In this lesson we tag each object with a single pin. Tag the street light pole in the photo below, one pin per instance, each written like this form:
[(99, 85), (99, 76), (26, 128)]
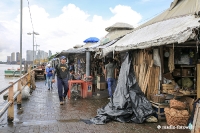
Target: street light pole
[(21, 2), (33, 50), (33, 44)]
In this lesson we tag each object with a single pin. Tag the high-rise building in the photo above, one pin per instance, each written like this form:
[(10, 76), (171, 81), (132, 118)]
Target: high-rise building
[(42, 54), (45, 55), (12, 56), (17, 57), (29, 55), (8, 59), (50, 53)]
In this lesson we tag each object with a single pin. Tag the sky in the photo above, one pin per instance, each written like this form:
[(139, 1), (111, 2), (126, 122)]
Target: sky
[(62, 24)]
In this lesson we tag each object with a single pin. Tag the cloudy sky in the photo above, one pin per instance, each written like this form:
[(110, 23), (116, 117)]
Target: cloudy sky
[(61, 24)]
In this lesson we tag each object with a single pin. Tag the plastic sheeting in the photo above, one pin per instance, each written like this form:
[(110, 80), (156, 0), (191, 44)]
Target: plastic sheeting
[(128, 103)]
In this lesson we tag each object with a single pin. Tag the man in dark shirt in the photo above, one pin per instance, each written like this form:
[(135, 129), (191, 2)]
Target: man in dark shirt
[(62, 71)]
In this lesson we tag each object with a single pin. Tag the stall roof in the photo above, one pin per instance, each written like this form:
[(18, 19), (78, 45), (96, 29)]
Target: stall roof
[(172, 26), (115, 31), (119, 26), (80, 50)]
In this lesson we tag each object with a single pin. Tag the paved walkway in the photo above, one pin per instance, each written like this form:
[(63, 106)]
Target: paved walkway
[(42, 113)]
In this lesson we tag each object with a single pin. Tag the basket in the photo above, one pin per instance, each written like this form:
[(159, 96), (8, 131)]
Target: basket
[(177, 104), (175, 120), (167, 87), (158, 98)]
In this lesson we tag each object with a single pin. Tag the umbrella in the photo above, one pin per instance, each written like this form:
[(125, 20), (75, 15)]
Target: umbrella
[(91, 39)]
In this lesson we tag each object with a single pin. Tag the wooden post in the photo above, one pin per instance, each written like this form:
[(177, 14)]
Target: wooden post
[(146, 79), (33, 80), (196, 123), (161, 69), (19, 97), (10, 116), (198, 80), (29, 77)]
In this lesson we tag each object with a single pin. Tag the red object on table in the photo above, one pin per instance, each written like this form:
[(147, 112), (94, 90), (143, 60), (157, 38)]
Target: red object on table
[(71, 82)]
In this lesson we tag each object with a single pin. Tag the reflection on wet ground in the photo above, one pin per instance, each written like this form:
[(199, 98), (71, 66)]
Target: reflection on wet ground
[(43, 113)]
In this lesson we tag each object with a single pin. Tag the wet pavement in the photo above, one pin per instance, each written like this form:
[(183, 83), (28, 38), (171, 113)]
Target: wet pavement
[(42, 113)]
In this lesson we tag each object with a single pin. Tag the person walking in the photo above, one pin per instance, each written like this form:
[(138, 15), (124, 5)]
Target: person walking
[(62, 71), (49, 75), (110, 73)]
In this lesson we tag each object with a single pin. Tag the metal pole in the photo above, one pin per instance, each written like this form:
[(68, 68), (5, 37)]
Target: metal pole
[(33, 49), (87, 63), (21, 37)]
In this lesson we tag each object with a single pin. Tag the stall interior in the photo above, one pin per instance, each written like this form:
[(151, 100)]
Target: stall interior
[(180, 69)]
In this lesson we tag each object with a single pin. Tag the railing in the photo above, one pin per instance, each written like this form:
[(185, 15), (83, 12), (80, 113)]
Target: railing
[(22, 82)]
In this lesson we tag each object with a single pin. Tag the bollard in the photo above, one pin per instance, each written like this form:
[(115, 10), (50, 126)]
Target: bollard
[(10, 116)]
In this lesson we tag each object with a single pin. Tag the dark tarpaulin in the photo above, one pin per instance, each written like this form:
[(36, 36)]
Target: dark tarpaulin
[(128, 103)]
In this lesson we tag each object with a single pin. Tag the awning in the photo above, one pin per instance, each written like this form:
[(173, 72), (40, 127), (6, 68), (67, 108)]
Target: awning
[(175, 30)]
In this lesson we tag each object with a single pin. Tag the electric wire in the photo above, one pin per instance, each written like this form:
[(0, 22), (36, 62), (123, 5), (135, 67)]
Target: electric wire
[(30, 15)]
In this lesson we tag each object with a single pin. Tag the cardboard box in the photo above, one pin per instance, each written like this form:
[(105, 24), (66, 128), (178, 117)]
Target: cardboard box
[(101, 85), (100, 79)]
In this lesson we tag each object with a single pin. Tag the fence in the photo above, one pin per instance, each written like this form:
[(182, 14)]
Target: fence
[(26, 79)]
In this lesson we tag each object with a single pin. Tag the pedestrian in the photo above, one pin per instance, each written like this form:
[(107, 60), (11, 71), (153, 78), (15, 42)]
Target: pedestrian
[(49, 75), (62, 71), (110, 73)]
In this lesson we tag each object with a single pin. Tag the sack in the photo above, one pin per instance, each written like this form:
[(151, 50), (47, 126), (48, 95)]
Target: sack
[(26, 92)]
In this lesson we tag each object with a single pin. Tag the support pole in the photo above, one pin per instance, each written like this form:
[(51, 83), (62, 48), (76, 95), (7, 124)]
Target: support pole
[(87, 63), (21, 37), (19, 97), (33, 49)]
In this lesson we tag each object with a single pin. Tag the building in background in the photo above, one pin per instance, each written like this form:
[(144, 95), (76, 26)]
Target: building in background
[(12, 56), (42, 55), (8, 59), (45, 55), (17, 57), (29, 55), (50, 53)]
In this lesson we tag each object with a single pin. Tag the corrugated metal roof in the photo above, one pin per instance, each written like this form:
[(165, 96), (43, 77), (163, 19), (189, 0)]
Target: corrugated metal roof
[(160, 33)]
